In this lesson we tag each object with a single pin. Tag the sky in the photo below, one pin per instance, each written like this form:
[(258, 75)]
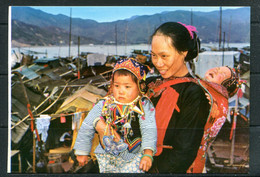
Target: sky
[(113, 13)]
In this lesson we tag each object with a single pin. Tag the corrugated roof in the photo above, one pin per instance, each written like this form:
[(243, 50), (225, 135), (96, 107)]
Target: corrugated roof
[(27, 72), (83, 93), (35, 67), (95, 90), (19, 131), (72, 106), (80, 99), (45, 60), (53, 76)]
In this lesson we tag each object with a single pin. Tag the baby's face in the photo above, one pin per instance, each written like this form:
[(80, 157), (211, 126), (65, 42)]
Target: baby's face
[(218, 74), (125, 90)]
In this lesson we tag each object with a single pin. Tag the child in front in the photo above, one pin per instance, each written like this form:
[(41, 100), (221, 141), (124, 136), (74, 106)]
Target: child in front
[(130, 132)]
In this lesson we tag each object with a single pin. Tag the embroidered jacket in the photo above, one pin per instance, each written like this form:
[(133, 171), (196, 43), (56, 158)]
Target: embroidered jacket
[(142, 134)]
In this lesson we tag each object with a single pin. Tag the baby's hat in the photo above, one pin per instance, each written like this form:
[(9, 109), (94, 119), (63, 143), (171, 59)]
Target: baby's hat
[(232, 83), (138, 69)]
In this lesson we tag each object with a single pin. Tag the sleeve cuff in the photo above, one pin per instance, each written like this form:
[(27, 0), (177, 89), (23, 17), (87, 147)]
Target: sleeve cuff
[(154, 151), (81, 152), (95, 121)]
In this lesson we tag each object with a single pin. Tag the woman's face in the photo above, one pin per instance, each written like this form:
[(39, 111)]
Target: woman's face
[(218, 74), (167, 60)]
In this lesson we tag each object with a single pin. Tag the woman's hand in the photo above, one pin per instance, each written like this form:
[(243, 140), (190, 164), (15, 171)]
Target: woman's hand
[(82, 159)]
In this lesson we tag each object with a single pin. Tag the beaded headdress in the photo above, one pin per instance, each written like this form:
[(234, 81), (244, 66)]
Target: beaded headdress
[(130, 64), (138, 69), (232, 84)]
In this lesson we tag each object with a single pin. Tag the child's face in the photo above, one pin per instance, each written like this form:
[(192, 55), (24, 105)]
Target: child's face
[(218, 74), (125, 90)]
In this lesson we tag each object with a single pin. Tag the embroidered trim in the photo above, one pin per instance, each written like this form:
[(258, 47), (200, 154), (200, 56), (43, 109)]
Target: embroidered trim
[(119, 116)]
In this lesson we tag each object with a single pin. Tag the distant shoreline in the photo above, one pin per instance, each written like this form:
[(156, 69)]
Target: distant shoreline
[(63, 51)]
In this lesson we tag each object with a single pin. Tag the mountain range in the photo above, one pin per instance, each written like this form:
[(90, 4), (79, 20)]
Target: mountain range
[(34, 27)]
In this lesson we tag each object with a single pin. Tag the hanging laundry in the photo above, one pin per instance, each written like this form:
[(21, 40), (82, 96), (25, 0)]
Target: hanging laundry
[(76, 120), (42, 124)]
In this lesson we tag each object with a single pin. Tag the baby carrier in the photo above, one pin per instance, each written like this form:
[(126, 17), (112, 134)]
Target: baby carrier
[(168, 103)]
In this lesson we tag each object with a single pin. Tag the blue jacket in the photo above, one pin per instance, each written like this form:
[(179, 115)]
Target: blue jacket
[(147, 127)]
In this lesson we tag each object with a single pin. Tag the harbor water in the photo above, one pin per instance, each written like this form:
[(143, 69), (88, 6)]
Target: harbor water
[(63, 51)]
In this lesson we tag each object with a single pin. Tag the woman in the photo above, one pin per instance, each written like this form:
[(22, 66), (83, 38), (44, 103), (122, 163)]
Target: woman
[(182, 108)]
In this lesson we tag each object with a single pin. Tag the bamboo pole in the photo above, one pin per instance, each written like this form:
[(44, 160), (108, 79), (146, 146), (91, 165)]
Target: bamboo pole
[(106, 72), (34, 153), (78, 58), (63, 74), (234, 127), (70, 32), (33, 128), (220, 28), (82, 85), (55, 100), (234, 132)]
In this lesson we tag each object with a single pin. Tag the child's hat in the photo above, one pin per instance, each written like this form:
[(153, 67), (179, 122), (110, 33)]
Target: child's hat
[(232, 84), (132, 65)]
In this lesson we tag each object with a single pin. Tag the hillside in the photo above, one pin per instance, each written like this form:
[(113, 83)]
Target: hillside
[(54, 28), (30, 35)]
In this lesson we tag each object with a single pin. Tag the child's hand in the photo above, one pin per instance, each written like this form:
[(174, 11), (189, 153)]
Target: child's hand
[(146, 163), (100, 128), (82, 159)]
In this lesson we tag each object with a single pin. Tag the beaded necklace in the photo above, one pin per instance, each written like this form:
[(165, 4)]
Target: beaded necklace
[(119, 116)]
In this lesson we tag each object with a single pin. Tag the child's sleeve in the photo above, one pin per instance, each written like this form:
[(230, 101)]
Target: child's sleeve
[(86, 132), (148, 126)]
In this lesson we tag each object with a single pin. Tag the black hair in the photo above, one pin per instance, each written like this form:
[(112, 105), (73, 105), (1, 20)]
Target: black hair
[(181, 39)]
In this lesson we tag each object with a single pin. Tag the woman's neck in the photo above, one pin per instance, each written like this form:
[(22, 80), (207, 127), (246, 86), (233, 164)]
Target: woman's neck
[(183, 71)]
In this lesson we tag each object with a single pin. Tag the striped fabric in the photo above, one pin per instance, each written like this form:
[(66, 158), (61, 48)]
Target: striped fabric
[(147, 127)]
